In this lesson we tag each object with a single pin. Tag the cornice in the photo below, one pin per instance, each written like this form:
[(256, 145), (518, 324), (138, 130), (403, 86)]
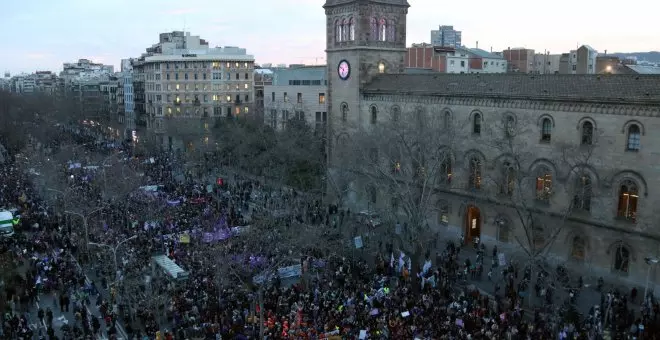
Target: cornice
[(627, 109)]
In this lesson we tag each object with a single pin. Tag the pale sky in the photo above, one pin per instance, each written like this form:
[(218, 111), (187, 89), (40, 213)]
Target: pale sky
[(42, 34)]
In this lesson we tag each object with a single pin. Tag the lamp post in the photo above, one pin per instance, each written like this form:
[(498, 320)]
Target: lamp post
[(114, 251), (651, 262)]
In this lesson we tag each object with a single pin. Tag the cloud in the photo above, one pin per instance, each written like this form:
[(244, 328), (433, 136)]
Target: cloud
[(180, 11), (37, 55)]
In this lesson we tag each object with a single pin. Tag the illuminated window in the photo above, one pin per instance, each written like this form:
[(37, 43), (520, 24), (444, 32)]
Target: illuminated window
[(543, 184), (381, 68), (382, 29), (177, 100), (246, 65), (237, 87), (321, 98), (396, 168), (236, 65), (445, 169), (338, 30), (215, 97), (245, 109), (169, 110), (628, 199), (238, 110), (178, 110), (228, 99), (247, 86), (227, 65), (177, 87), (443, 212)]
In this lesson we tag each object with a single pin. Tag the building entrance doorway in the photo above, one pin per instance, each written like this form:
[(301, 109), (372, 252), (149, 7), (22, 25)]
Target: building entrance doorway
[(472, 224)]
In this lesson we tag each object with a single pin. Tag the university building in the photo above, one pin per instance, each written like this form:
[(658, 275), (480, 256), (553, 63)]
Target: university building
[(603, 197)]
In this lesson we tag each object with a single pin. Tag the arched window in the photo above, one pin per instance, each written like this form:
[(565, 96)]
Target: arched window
[(583, 193), (587, 133), (447, 120), (510, 126), (396, 113), (578, 248), (344, 112), (543, 184), (345, 30), (475, 173), (382, 29), (634, 138), (374, 29), (546, 130), (338, 31), (476, 124), (508, 179), (391, 32), (351, 29), (628, 200), (374, 114), (445, 168), (621, 259), (443, 212)]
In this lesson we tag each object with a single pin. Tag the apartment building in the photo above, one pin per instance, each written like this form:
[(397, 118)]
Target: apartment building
[(262, 78), (298, 92), (446, 36), (453, 60), (579, 61), (546, 63), (185, 80), (519, 59)]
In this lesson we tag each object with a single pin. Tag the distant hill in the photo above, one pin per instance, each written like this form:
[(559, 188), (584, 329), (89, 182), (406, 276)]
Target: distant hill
[(652, 57)]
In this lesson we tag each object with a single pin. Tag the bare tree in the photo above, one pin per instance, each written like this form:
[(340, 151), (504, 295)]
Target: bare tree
[(402, 161), (526, 188)]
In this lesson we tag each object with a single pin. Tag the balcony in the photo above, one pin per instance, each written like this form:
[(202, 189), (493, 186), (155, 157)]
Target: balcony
[(196, 102), (177, 102)]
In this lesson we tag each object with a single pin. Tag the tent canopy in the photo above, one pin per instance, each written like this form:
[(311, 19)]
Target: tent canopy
[(171, 269)]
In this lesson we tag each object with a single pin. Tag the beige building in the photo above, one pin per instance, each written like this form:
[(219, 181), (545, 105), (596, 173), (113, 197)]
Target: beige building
[(185, 80), (546, 63), (581, 157)]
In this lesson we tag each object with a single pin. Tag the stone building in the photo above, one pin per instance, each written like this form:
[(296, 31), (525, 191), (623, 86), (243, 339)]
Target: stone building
[(602, 121)]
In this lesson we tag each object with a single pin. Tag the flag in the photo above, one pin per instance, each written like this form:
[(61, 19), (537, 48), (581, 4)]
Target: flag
[(427, 266), (391, 260)]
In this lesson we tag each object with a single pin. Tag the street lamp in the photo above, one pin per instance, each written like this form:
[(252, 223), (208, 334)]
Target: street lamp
[(651, 262), (114, 251)]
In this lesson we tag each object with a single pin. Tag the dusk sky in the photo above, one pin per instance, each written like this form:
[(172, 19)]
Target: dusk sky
[(42, 34)]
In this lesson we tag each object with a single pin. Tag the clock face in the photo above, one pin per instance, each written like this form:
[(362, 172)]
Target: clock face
[(344, 70)]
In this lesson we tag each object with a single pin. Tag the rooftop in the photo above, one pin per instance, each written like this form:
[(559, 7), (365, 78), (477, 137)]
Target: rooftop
[(589, 88)]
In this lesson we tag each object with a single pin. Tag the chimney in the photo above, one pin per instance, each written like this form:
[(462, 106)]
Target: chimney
[(477, 44), (605, 52)]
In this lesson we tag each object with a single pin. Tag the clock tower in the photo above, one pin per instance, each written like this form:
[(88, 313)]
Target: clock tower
[(364, 38)]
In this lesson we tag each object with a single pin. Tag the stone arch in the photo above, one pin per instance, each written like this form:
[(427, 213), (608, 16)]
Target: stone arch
[(542, 162), (579, 168), (447, 117), (631, 175), (614, 245), (344, 109), (626, 126), (586, 119), (539, 122), (505, 157), (475, 153), (373, 113), (474, 112)]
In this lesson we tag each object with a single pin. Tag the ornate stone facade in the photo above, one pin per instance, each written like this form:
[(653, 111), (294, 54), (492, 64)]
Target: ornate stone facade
[(610, 118)]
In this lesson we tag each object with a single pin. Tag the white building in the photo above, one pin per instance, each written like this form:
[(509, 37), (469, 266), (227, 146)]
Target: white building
[(482, 61), (186, 79), (297, 93), (129, 103)]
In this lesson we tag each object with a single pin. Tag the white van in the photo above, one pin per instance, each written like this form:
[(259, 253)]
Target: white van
[(6, 223)]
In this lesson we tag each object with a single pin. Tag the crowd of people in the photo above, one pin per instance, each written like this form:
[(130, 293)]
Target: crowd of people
[(379, 296)]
